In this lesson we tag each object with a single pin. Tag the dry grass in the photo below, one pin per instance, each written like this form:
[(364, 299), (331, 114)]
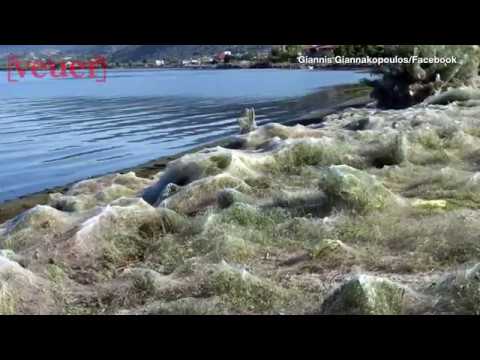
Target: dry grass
[(412, 239), (8, 302)]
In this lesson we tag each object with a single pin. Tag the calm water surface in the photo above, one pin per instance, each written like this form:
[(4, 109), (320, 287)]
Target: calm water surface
[(53, 132)]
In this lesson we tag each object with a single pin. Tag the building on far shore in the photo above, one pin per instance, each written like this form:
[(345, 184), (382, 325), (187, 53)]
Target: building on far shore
[(191, 62), (159, 62), (223, 56), (207, 60)]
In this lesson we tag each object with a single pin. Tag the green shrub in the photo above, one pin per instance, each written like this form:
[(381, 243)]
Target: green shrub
[(406, 84)]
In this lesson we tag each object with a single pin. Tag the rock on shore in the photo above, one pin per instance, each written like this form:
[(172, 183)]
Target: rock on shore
[(369, 212)]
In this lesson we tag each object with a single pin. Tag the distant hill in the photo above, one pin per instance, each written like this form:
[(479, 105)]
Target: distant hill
[(125, 53), (140, 52)]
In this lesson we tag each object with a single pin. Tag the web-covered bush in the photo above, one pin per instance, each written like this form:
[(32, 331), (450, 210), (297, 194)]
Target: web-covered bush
[(406, 84)]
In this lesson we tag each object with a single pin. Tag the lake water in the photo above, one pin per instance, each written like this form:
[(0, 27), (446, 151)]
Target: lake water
[(56, 131)]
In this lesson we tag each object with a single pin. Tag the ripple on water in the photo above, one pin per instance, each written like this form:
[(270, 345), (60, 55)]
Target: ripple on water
[(56, 132)]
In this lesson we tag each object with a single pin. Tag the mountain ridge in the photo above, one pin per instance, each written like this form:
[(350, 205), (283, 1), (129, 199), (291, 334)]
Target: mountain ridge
[(128, 52)]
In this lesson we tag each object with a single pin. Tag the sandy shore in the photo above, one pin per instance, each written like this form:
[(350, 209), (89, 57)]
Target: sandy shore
[(11, 208)]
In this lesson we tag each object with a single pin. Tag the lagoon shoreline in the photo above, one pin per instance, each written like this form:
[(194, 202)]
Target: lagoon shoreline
[(280, 66), (13, 207)]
